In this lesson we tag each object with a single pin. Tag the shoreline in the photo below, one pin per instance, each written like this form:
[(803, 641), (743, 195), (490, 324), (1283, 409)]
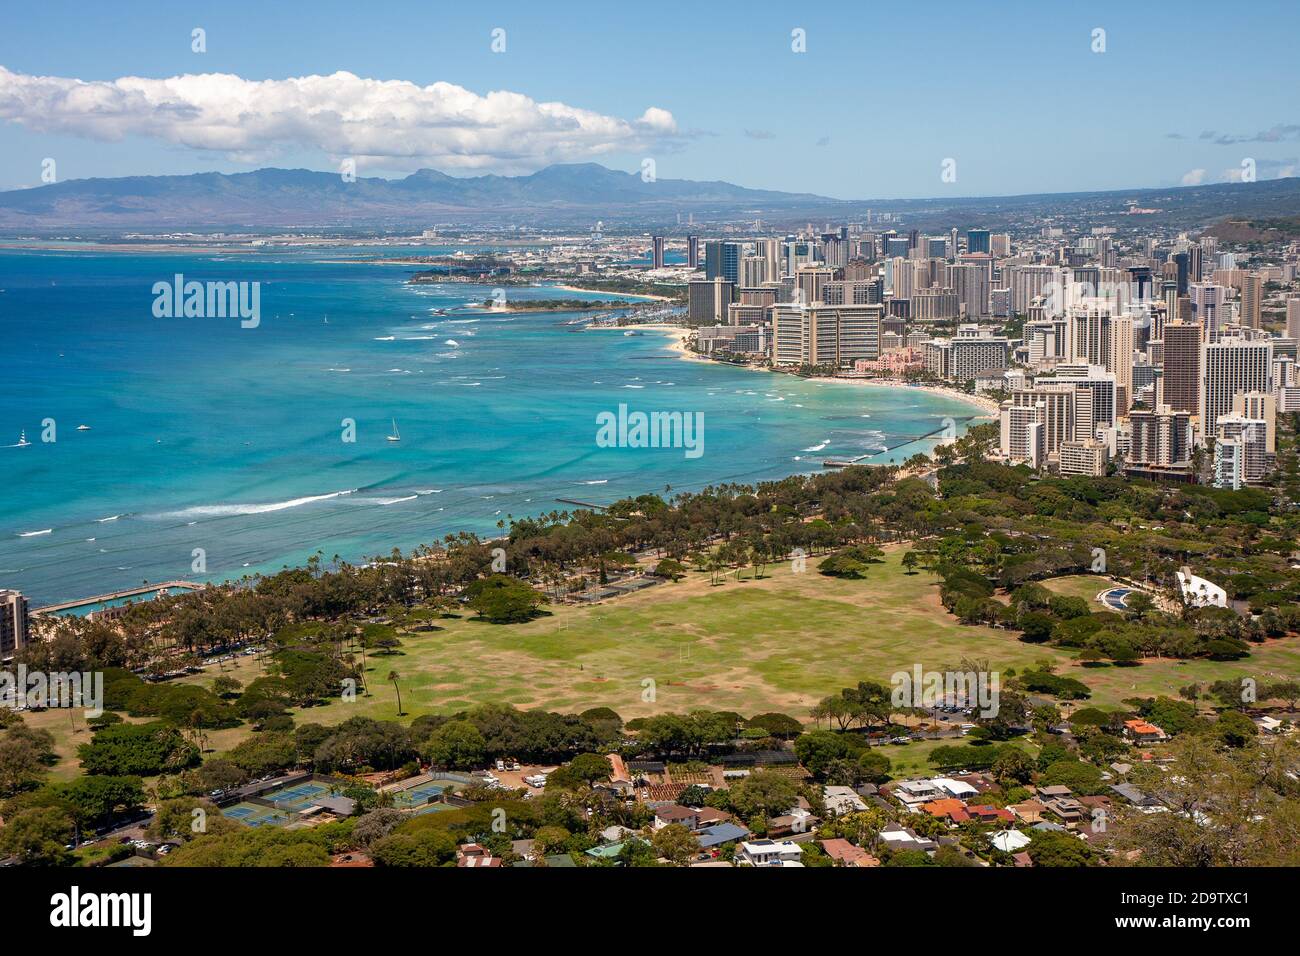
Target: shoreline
[(622, 295), (678, 346), (990, 407)]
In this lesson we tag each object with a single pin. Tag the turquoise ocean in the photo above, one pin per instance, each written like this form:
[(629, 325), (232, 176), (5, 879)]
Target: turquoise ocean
[(205, 435)]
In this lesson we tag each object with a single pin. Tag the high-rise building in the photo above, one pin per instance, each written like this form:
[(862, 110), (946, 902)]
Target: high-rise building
[(13, 623), (1252, 294), (770, 250), (722, 260), (1119, 361), (1293, 317), (1033, 282), (809, 282), (1085, 457), (1181, 381), (1209, 306), (1024, 433), (1260, 407), (963, 357), (1099, 406), (693, 251), (657, 256), (1251, 460), (935, 305), (1231, 366), (707, 300), (971, 283), (825, 335), (1160, 438), (1055, 414), (977, 240), (753, 272)]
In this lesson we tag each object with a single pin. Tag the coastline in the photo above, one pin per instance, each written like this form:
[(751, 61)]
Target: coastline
[(621, 295), (987, 405), (679, 336)]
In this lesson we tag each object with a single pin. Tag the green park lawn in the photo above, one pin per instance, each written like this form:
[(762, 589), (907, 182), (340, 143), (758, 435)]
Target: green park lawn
[(779, 643)]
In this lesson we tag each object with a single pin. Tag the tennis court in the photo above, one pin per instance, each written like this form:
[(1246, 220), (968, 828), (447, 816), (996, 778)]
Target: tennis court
[(417, 796), (255, 815), (298, 797)]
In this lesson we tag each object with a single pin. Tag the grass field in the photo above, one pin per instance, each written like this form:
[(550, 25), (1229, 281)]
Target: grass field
[(1086, 586), (779, 643)]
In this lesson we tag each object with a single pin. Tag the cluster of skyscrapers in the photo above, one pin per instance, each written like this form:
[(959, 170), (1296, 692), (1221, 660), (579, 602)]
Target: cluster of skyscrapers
[(1146, 353)]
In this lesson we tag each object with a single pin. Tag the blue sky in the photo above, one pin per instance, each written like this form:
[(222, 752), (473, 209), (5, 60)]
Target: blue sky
[(1013, 92)]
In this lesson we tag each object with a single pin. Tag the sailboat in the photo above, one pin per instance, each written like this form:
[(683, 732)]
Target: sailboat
[(22, 440), (396, 435)]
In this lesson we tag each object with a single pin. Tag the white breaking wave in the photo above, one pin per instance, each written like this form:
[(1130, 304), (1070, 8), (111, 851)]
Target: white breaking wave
[(818, 447), (384, 501), (224, 511), (34, 534), (386, 338)]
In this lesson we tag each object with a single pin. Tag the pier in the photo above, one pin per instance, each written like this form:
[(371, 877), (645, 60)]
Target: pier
[(581, 504), (846, 462), (118, 596)]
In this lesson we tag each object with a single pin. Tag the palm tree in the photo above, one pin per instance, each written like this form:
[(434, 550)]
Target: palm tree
[(392, 676)]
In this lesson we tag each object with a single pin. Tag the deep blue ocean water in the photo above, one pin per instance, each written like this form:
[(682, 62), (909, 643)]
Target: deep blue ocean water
[(207, 435)]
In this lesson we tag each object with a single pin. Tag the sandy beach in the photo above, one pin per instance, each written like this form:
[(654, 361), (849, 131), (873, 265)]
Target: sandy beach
[(620, 295), (989, 406), (679, 337)]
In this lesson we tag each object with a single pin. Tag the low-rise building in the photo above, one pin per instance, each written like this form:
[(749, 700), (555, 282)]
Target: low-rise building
[(769, 853)]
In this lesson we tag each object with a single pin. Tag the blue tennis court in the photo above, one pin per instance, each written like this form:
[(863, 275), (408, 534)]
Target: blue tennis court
[(255, 815), (417, 796), (298, 797)]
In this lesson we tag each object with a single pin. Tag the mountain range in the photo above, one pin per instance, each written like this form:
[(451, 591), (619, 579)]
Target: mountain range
[(564, 195)]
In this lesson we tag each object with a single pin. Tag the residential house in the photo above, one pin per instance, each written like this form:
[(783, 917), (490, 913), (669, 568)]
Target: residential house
[(1141, 732), (840, 800), (672, 813), (989, 814), (904, 838), (1027, 811), (769, 853), (720, 833), (1009, 841), (474, 855), (949, 808), (846, 854)]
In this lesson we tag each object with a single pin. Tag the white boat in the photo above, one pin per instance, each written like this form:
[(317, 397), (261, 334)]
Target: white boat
[(22, 440), (396, 435), (83, 428)]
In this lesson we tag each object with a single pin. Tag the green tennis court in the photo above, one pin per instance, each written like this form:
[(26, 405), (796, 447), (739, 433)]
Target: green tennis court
[(298, 797), (255, 815), (417, 796)]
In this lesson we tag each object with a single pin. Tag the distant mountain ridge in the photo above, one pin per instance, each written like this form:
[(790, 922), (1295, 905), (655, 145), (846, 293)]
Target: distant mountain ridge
[(567, 195), (299, 197)]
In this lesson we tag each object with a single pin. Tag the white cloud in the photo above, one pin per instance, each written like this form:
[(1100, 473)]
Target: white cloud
[(392, 123), (1194, 177)]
